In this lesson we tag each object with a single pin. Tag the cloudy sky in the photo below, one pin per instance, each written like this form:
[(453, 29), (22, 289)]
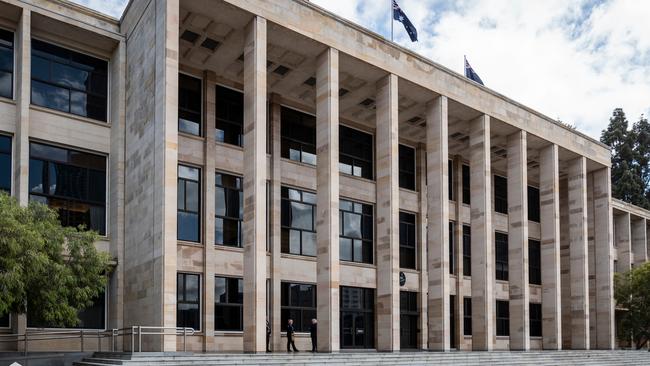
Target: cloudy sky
[(571, 60)]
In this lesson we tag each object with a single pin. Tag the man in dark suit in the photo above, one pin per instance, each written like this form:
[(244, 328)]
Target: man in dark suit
[(268, 336), (290, 336), (313, 331)]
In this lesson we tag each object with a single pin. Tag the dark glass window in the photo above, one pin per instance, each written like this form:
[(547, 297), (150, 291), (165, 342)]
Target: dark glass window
[(189, 203), (500, 194), (452, 321), (450, 177), (467, 250), (92, 317), (357, 323), (452, 257), (298, 222), (298, 303), (533, 204), (6, 63), (534, 262), (503, 318), (501, 254), (228, 210), (535, 315), (407, 240), (228, 303), (355, 231), (298, 132), (409, 317), (355, 152), (4, 321), (406, 167), (71, 182), (189, 105), (188, 300), (466, 189), (230, 116), (69, 81), (467, 316), (5, 163)]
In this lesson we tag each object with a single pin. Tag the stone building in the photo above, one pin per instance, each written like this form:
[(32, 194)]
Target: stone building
[(253, 160)]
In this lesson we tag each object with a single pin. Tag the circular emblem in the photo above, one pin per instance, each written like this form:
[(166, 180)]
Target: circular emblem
[(402, 279)]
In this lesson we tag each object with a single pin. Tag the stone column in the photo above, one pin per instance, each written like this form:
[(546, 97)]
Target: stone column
[(623, 238), (483, 305), (276, 212), (518, 241), (577, 189), (438, 223), (423, 338), (387, 215), (639, 241), (255, 186), (549, 189), (327, 191)]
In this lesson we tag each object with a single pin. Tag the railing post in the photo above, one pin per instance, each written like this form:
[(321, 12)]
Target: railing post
[(132, 339), (113, 340), (82, 340), (99, 342), (184, 339), (139, 338)]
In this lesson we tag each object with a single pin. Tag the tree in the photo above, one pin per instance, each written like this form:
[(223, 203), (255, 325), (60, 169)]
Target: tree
[(632, 293), (54, 271), (641, 134)]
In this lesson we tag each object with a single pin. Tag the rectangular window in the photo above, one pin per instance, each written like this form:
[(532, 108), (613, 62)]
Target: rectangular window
[(228, 210), (467, 316), (355, 152), (230, 116), (467, 250), (298, 302), (188, 300), (71, 182), (406, 167), (466, 189), (407, 240), (409, 315), (355, 231), (501, 254), (503, 318), (452, 321), (228, 304), (69, 81), (189, 104), (4, 321), (452, 256), (298, 222), (535, 316), (5, 163), (500, 194), (533, 204), (450, 177), (6, 63), (189, 203), (534, 262), (298, 132), (92, 317)]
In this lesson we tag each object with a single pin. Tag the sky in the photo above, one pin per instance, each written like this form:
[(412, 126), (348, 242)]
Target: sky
[(571, 60)]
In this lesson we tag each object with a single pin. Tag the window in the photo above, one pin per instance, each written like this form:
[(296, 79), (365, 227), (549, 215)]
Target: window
[(298, 222), (450, 177), (467, 250), (407, 247), (228, 303), (501, 253), (406, 167), (229, 210), (92, 317), (71, 182), (535, 316), (534, 262), (533, 204), (452, 257), (4, 321), (409, 315), (298, 303), (467, 316), (189, 198), (230, 116), (466, 189), (355, 231), (500, 194), (69, 81), (6, 63), (503, 318), (355, 152), (298, 132), (5, 163), (188, 300), (452, 321), (189, 104)]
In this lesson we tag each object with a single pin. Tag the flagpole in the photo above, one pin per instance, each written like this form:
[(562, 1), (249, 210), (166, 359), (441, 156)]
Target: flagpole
[(390, 3)]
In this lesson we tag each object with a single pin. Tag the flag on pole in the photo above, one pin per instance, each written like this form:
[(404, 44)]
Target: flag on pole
[(399, 15), (471, 74)]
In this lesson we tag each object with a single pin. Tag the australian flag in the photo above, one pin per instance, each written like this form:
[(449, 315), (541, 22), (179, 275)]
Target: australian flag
[(399, 15), (471, 74)]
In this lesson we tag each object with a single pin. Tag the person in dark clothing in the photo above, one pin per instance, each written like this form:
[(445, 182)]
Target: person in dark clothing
[(290, 336), (268, 336), (313, 331)]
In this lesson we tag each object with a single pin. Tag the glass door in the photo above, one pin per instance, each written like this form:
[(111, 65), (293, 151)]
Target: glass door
[(357, 317)]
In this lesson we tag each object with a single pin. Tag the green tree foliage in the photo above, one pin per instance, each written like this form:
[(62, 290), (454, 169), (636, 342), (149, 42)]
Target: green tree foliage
[(55, 271), (632, 293)]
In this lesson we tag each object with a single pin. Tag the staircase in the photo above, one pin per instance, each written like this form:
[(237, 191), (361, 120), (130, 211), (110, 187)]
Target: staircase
[(536, 358)]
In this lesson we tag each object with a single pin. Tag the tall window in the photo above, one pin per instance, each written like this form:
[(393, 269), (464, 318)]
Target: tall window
[(189, 104), (6, 63), (189, 198), (92, 317), (467, 250), (406, 167), (466, 189), (467, 316), (534, 262), (501, 253), (298, 303), (450, 178), (533, 204), (355, 231), (452, 256), (298, 132), (407, 240), (298, 222), (230, 116), (409, 315), (229, 210), (69, 81), (503, 318), (500, 194), (228, 303), (535, 316), (188, 300), (452, 321), (5, 163), (355, 152), (71, 182), (4, 321)]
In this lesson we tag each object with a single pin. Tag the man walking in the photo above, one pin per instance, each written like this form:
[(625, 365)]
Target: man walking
[(312, 330), (290, 336), (268, 336)]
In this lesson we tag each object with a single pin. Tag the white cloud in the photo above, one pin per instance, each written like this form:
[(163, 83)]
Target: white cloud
[(113, 8)]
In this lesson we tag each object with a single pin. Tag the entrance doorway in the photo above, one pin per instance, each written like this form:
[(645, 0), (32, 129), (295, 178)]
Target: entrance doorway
[(357, 317), (409, 317)]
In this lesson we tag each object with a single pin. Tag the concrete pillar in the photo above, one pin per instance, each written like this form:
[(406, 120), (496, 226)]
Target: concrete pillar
[(483, 305), (577, 189), (549, 189), (623, 237), (255, 186), (639, 241), (438, 223), (327, 191), (387, 216), (421, 154), (275, 318), (518, 241)]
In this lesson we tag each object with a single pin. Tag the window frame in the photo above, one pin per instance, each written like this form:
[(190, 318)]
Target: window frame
[(299, 326), (466, 188), (287, 229), (11, 161), (467, 250), (534, 262), (364, 241), (201, 112), (218, 120), (405, 172), (285, 139), (354, 159), (199, 298), (502, 320), (105, 320), (467, 316), (403, 246), (229, 304), (13, 63), (452, 247), (199, 203), (501, 199), (534, 211), (451, 192), (240, 220), (537, 322), (501, 263)]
